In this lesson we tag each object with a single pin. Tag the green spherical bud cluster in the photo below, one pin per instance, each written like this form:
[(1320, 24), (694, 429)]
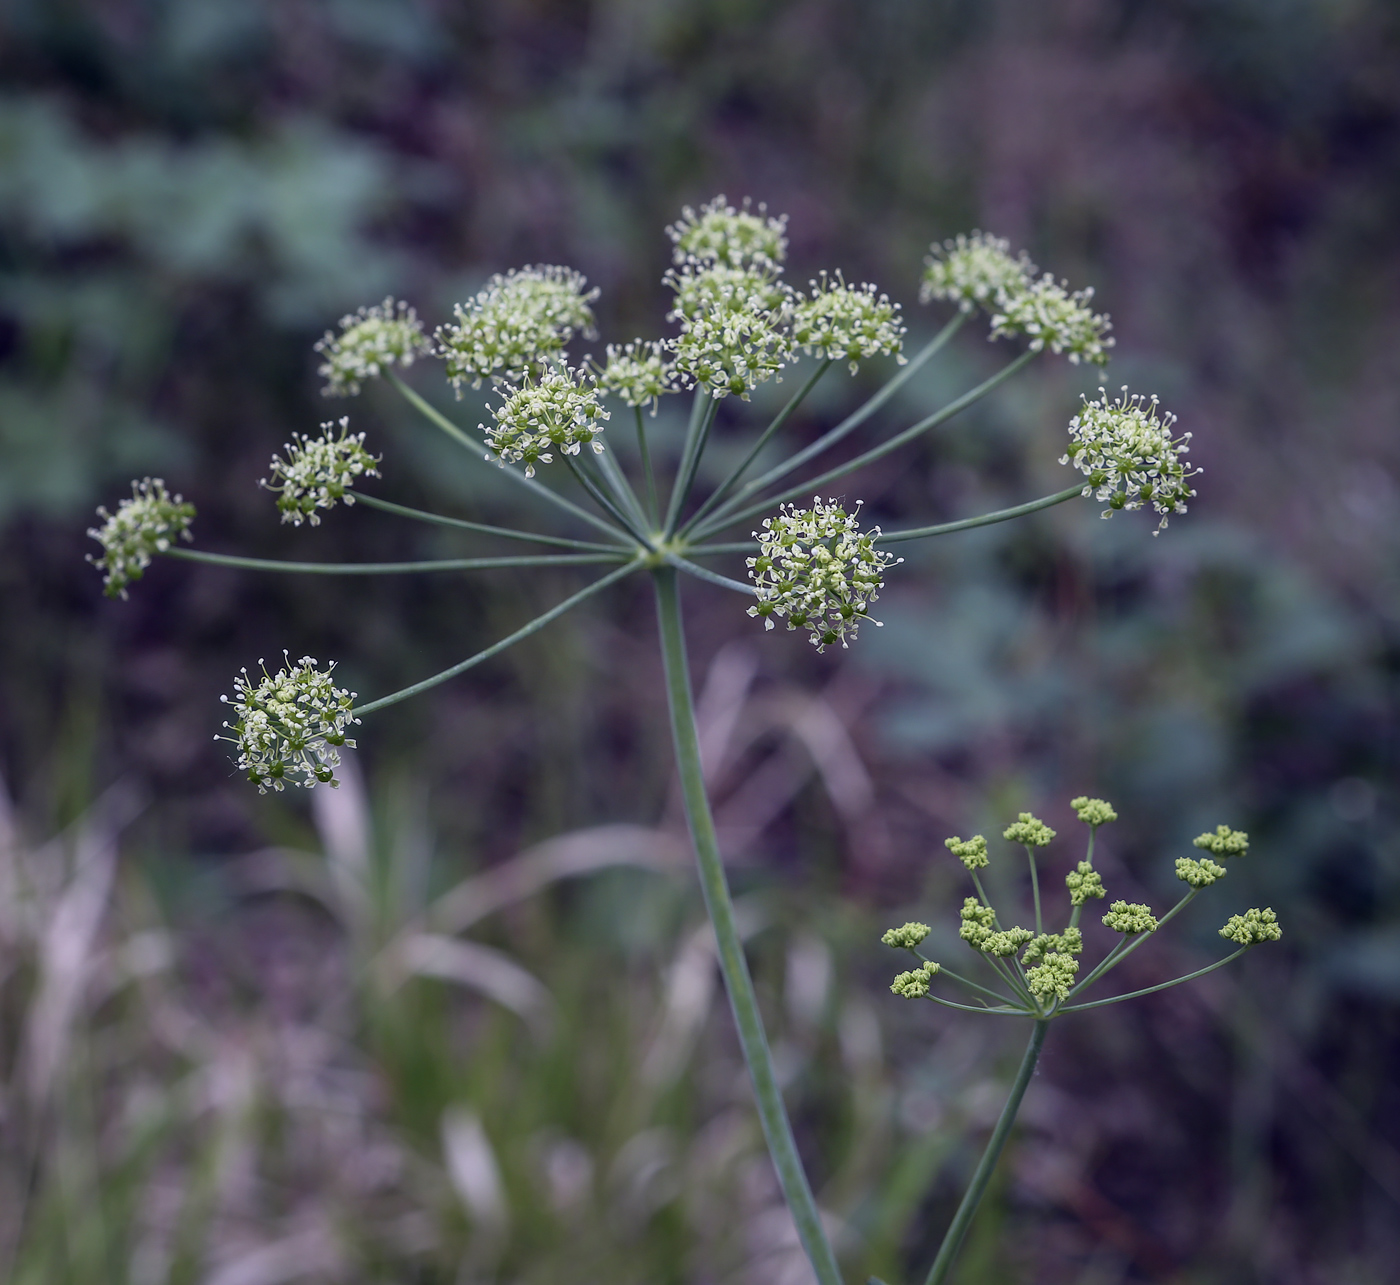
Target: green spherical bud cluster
[(559, 410), (817, 568), (1029, 830), (971, 852), (978, 922), (146, 524), (1084, 882), (1048, 315), (1052, 979), (1224, 842), (846, 323), (515, 324), (1199, 874), (725, 235), (1006, 943), (975, 270), (1094, 812), (915, 984), (290, 725), (1252, 927), (909, 936), (1130, 456), (1130, 918), (638, 373), (1069, 942), (369, 343), (319, 472)]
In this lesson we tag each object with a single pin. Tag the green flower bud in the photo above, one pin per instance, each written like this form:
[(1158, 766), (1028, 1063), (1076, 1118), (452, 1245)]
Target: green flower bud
[(1029, 830), (1252, 927), (1053, 978), (1130, 919), (1006, 943), (146, 524), (977, 921), (1199, 874), (971, 852), (1224, 842), (915, 984), (1084, 882), (908, 936), (1094, 812), (1069, 942)]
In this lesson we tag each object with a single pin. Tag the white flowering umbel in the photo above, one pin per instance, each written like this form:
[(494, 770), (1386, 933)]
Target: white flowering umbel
[(290, 725), (1127, 451), (817, 568), (146, 524), (369, 343), (722, 234), (319, 472), (638, 373), (846, 323), (1048, 315), (515, 325), (734, 327), (975, 271), (559, 410)]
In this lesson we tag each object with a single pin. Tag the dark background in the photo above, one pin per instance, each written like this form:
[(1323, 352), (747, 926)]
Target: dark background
[(191, 192)]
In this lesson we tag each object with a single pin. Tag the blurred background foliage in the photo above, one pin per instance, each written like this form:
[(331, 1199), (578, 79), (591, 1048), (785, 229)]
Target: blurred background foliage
[(217, 1079)]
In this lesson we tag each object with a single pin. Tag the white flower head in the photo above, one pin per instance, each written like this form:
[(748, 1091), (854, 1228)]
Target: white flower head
[(975, 271), (734, 327), (1127, 451), (515, 324), (638, 372), (146, 524), (721, 234), (817, 568), (719, 287), (370, 341), (290, 725), (560, 410), (1051, 317), (846, 323), (319, 471)]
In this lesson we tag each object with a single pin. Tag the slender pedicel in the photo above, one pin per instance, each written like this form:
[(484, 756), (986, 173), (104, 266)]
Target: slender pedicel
[(391, 568), (505, 533)]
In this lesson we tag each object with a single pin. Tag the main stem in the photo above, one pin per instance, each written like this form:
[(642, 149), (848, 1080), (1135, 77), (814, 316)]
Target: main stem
[(962, 1220), (752, 1039)]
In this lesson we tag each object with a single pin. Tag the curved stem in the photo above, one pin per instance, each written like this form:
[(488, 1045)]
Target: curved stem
[(506, 533), (391, 568), (1161, 986), (987, 519), (720, 521), (982, 1175), (524, 631), (777, 1130)]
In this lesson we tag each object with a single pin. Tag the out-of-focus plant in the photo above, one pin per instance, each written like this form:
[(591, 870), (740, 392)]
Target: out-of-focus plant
[(738, 325)]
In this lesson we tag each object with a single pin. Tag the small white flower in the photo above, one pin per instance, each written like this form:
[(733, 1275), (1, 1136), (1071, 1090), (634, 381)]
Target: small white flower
[(290, 725), (846, 323), (1051, 317), (560, 409), (816, 567), (722, 288), (515, 324), (370, 341), (1130, 456), (319, 471), (142, 526), (638, 372), (721, 234), (734, 327), (975, 271)]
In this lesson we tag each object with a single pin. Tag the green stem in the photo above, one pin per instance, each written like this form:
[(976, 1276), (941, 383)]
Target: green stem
[(1125, 948), (604, 503), (703, 573), (1035, 889), (507, 533), (524, 631), (621, 487), (478, 449), (812, 485), (953, 1238), (390, 568), (974, 1008), (945, 971), (764, 438), (987, 519), (1161, 986), (653, 504), (696, 436), (737, 546), (776, 1128)]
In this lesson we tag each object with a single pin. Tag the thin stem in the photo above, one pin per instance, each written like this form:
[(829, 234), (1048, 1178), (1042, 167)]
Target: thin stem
[(621, 487), (703, 573), (764, 438), (1035, 889), (524, 631), (982, 1175), (604, 502), (855, 419), (975, 1008), (506, 533), (720, 521), (1161, 986), (987, 519), (1125, 947), (737, 546), (944, 971), (777, 1130), (391, 568), (696, 438), (478, 449), (653, 504)]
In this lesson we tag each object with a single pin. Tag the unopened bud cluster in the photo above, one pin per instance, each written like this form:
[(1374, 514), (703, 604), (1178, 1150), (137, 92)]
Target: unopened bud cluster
[(146, 524), (817, 568), (369, 343), (290, 725), (319, 472), (558, 411)]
